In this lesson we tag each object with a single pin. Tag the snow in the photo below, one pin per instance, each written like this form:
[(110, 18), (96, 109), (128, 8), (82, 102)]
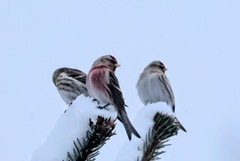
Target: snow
[(198, 41), (71, 125), (143, 122)]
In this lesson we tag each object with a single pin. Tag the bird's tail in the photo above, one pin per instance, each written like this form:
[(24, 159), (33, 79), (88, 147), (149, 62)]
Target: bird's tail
[(128, 125), (179, 125)]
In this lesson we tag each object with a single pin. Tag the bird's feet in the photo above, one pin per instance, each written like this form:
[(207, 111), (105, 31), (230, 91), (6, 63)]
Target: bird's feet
[(103, 107), (95, 100)]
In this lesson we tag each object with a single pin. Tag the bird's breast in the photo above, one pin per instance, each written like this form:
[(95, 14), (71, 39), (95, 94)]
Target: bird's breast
[(97, 85)]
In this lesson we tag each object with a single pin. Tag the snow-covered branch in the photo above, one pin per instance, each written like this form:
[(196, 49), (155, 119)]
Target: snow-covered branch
[(83, 129), (156, 123), (163, 128), (79, 132), (88, 147)]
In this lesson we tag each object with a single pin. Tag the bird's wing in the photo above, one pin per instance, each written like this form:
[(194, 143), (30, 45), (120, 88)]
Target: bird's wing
[(167, 85), (118, 100), (78, 75), (115, 91)]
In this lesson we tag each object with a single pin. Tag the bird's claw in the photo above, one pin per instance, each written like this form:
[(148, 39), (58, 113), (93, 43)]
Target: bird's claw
[(95, 100), (102, 107)]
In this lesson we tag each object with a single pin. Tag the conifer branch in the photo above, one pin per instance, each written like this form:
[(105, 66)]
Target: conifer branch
[(164, 127), (87, 148)]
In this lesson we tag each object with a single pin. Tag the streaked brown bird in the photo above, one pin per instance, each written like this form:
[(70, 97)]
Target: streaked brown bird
[(70, 83)]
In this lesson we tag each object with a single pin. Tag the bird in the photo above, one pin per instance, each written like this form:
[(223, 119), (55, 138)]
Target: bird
[(70, 83), (103, 85), (154, 86)]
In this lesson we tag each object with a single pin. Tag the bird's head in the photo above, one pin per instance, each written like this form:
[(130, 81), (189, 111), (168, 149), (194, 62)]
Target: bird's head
[(107, 60), (158, 64)]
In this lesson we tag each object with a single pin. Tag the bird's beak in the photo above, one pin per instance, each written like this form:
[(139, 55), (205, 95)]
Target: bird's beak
[(117, 65), (165, 69)]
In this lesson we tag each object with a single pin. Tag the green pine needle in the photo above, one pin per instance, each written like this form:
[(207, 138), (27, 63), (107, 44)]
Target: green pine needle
[(88, 147), (164, 127)]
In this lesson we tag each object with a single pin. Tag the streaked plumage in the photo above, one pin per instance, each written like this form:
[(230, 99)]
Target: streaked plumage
[(103, 85), (70, 83), (153, 86)]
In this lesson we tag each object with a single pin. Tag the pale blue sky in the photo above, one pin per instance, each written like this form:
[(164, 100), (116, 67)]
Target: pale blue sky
[(197, 40)]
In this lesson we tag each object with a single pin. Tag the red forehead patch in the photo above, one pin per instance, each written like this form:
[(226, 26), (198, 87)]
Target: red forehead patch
[(113, 57)]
